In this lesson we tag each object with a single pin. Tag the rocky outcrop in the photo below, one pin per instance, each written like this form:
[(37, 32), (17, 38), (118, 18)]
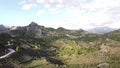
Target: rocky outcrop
[(13, 28), (34, 27), (73, 37), (103, 65), (31, 28)]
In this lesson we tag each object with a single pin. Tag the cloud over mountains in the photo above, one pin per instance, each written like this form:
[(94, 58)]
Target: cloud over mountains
[(82, 13)]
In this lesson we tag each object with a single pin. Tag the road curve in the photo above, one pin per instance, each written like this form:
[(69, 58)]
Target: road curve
[(11, 51)]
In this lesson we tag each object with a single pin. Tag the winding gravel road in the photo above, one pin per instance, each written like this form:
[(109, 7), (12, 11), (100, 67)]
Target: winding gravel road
[(11, 51)]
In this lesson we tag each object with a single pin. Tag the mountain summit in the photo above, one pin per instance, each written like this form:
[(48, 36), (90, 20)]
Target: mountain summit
[(32, 27), (2, 27), (33, 24)]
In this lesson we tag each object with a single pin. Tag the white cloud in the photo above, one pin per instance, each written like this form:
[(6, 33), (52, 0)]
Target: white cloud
[(115, 25), (60, 1), (96, 12), (22, 2), (54, 11), (47, 5), (83, 13), (52, 1), (40, 12), (59, 5), (27, 6), (40, 1), (98, 5)]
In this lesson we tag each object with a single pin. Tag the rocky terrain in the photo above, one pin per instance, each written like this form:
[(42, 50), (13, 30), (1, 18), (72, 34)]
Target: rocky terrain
[(37, 46)]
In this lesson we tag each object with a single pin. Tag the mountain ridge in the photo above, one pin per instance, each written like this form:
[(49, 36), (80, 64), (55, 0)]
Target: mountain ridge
[(39, 46), (39, 30), (101, 29)]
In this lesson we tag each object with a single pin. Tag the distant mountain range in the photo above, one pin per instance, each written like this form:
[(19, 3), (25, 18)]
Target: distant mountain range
[(102, 29), (42, 30)]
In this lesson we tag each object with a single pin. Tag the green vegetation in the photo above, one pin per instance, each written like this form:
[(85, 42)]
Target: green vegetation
[(60, 48), (115, 36), (4, 38)]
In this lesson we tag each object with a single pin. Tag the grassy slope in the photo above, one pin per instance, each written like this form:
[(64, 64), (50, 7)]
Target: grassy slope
[(86, 52)]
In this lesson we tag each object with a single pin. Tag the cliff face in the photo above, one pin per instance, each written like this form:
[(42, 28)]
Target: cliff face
[(34, 27), (31, 28)]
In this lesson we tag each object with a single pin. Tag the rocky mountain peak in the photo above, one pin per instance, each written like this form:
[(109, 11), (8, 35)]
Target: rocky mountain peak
[(33, 24), (81, 30), (2, 27)]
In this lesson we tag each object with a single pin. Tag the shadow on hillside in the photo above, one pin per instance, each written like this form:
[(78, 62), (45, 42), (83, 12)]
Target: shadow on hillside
[(36, 53)]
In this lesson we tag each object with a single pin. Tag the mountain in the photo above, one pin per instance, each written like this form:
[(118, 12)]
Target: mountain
[(101, 29), (2, 27), (36, 30), (114, 35), (42, 47), (33, 29)]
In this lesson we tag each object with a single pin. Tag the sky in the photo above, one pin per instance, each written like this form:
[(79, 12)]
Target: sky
[(70, 14)]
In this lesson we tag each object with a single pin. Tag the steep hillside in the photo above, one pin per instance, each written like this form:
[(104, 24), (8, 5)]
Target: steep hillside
[(115, 35)]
